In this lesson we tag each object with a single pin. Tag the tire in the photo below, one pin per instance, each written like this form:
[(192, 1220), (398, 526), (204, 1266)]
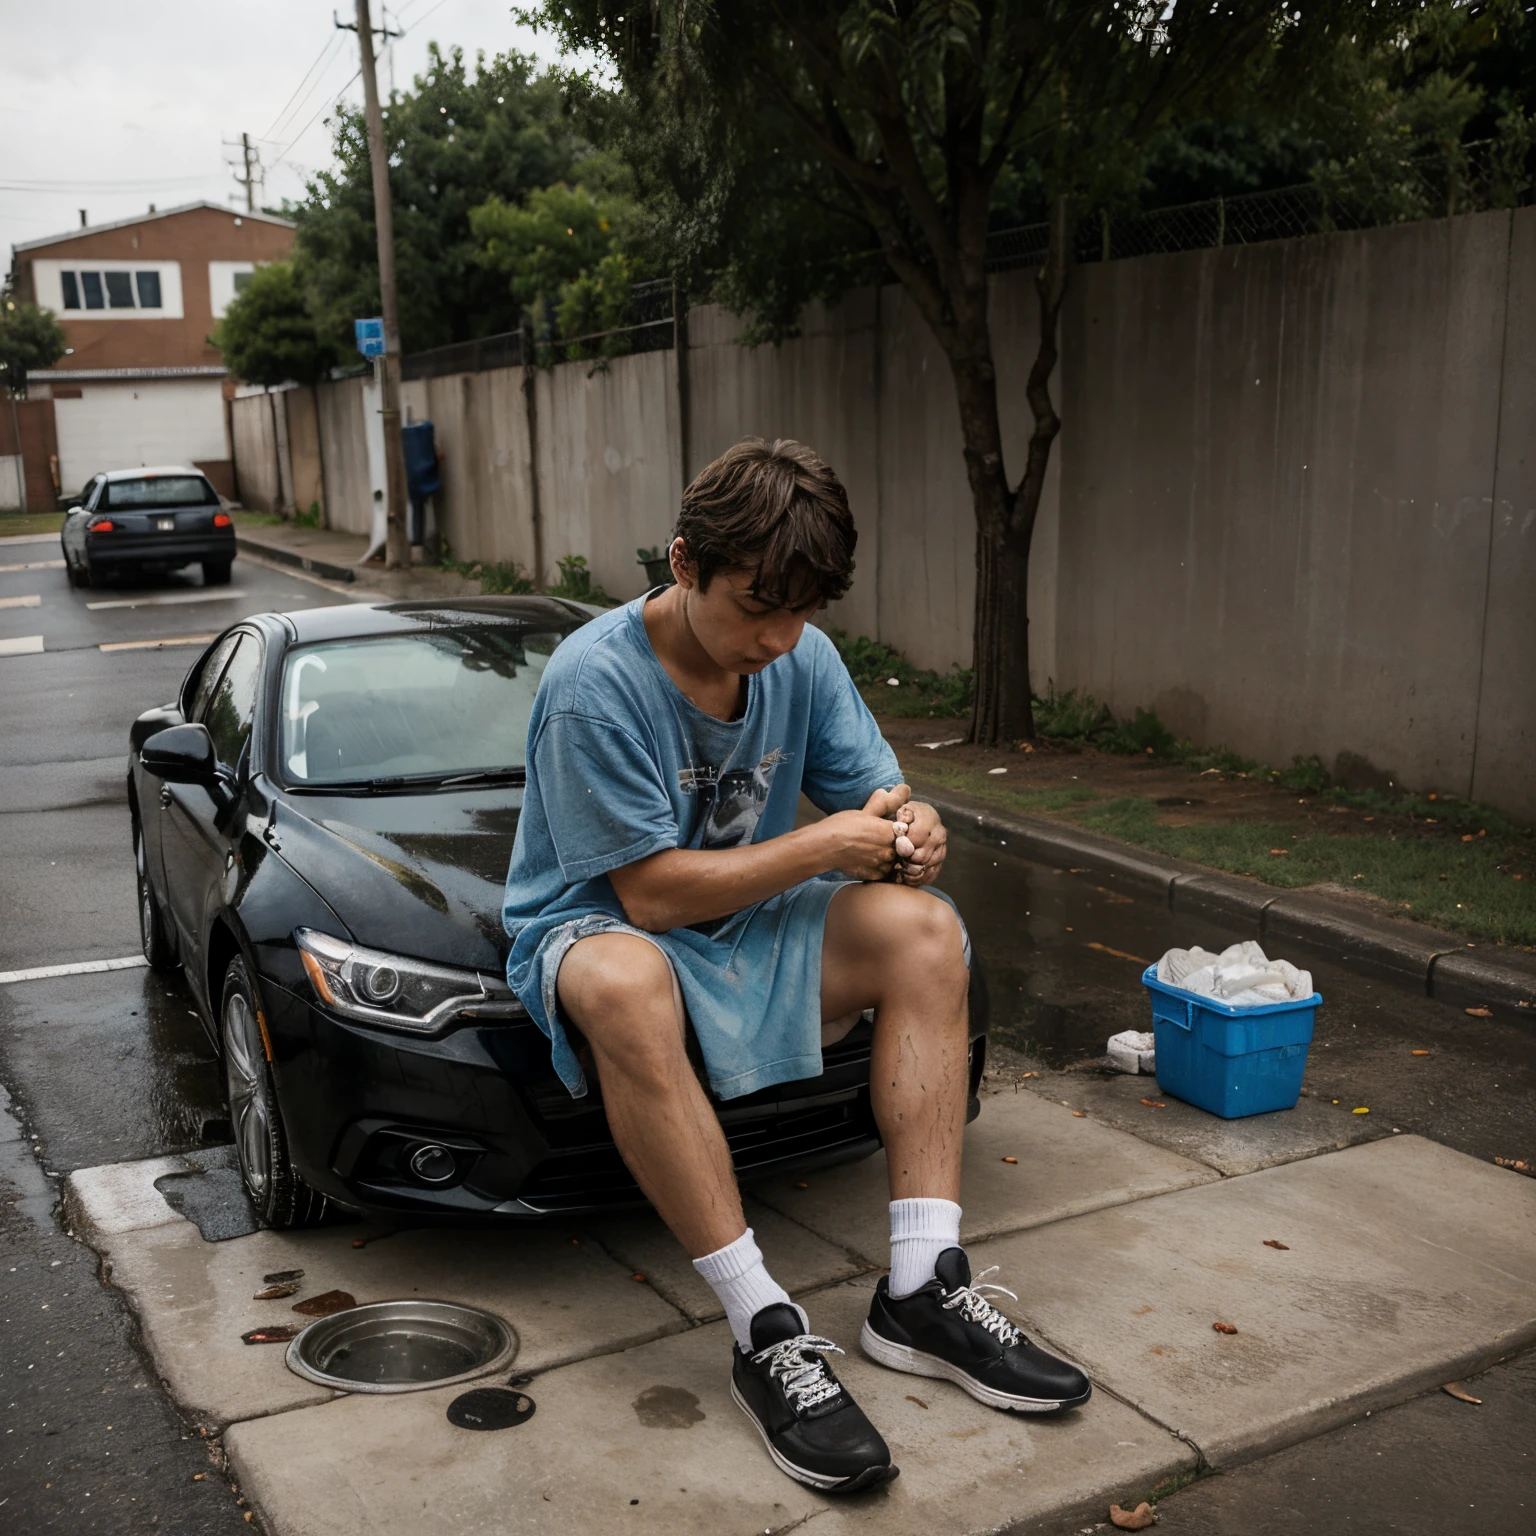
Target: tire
[(281, 1198), (79, 574), (154, 933), (216, 573)]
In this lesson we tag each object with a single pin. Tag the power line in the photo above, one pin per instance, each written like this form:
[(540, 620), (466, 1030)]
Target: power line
[(102, 186), (319, 63), (329, 101)]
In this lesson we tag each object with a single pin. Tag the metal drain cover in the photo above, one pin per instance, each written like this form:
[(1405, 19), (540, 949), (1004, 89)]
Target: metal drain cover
[(402, 1346), (490, 1408)]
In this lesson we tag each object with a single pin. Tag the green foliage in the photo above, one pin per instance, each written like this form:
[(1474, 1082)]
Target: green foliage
[(918, 693), (459, 137), (576, 582), (309, 519), (29, 338), (268, 336)]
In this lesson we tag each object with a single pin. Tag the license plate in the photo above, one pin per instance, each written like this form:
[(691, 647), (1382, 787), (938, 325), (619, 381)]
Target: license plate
[(166, 524)]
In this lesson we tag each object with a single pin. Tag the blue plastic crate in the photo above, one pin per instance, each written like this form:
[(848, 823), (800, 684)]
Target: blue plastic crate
[(1229, 1061)]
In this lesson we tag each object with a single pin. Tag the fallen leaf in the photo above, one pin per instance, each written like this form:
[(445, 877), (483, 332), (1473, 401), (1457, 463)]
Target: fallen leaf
[(277, 1292), (1079, 1114), (1223, 1327), (638, 1276), (282, 1276), (1421, 1053), (1513, 1162), (1467, 837), (997, 770), (1023, 1075), (1279, 850), (1010, 1159), (359, 1242), (197, 1477), (801, 1184), (1459, 1392), (1270, 1242), (1478, 1013), (1119, 954), (920, 1403), (1362, 1110), (279, 1334), (1154, 1104), (1137, 1519), (325, 1304)]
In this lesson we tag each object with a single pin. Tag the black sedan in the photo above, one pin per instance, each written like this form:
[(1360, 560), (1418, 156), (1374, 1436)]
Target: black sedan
[(322, 824), (130, 521)]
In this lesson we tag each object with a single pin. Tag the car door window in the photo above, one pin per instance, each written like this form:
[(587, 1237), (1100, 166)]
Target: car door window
[(212, 668), (232, 706)]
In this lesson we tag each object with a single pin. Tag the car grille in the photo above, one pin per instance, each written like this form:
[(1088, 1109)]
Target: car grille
[(592, 1176)]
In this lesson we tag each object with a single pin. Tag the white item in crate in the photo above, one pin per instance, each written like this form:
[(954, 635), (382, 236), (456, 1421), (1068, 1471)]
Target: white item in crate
[(1242, 975), (1132, 1051)]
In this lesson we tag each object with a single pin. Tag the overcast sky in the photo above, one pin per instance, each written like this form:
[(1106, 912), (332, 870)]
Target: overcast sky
[(111, 107)]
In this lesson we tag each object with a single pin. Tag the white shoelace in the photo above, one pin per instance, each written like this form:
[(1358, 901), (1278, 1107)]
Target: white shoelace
[(975, 1308), (805, 1377)]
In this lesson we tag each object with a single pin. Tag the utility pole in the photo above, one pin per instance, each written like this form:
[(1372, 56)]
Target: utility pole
[(397, 550), (253, 178)]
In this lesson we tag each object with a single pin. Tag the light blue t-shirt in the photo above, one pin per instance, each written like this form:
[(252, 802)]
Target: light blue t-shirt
[(621, 766)]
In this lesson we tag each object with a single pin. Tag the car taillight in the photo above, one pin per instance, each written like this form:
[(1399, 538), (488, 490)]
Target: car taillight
[(223, 520), (102, 525)]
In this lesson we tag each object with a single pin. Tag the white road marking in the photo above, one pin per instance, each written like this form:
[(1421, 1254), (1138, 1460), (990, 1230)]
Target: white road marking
[(23, 645), (35, 565), (80, 968), (31, 600), (171, 599), (30, 538), (154, 645)]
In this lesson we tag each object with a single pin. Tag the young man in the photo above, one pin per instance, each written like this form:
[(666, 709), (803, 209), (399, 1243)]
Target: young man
[(659, 885)]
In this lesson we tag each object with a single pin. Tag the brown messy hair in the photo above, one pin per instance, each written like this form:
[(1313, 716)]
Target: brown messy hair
[(777, 510)]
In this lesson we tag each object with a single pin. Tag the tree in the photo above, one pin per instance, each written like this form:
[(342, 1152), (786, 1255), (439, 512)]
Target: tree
[(268, 336), (456, 138), (903, 125), (29, 338)]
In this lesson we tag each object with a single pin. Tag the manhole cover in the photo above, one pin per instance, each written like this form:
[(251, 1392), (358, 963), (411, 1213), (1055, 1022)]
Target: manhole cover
[(490, 1408), (402, 1346)]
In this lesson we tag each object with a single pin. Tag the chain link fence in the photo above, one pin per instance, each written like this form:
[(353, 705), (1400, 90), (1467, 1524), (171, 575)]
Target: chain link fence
[(1496, 173)]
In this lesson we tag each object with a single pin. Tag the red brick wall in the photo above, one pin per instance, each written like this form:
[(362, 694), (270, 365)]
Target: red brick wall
[(193, 238)]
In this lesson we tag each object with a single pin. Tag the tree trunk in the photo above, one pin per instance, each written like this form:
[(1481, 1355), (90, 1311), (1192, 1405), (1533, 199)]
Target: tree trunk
[(1001, 708)]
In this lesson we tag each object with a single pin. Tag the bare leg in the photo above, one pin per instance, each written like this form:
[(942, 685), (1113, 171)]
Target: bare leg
[(900, 951), (618, 990)]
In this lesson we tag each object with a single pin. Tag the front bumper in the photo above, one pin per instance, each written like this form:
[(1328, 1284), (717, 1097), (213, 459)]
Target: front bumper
[(360, 1104), (105, 552)]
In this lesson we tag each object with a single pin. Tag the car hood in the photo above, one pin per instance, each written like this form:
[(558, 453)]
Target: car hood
[(418, 875)]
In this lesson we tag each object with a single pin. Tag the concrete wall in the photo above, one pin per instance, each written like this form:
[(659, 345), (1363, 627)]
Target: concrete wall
[(1278, 492), (1292, 507)]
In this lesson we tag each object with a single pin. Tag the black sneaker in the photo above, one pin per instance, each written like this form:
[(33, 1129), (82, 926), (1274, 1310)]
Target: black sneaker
[(948, 1329), (813, 1430)]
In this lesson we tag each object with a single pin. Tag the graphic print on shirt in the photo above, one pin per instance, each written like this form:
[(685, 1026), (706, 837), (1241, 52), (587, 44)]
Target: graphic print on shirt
[(731, 803)]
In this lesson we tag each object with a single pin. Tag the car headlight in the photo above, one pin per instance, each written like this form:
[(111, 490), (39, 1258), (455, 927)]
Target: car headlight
[(396, 992)]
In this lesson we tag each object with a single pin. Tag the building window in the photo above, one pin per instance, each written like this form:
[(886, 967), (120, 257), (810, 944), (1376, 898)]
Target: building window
[(111, 290), (242, 281)]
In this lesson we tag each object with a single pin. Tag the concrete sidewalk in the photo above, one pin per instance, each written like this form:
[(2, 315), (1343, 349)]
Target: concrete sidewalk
[(1405, 1265)]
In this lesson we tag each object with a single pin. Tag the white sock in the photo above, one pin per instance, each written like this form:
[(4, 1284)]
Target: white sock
[(920, 1231), (737, 1275)]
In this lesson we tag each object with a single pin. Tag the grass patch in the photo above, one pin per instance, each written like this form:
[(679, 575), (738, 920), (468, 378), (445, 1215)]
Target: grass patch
[(244, 519), (17, 525), (983, 786), (917, 694), (510, 579), (1465, 887), (1175, 1484)]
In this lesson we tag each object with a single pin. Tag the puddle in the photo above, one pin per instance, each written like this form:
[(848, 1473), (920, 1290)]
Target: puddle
[(211, 1196)]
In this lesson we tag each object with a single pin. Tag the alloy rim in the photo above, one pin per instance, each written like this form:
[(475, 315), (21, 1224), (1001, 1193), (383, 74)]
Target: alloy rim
[(146, 911), (243, 1062)]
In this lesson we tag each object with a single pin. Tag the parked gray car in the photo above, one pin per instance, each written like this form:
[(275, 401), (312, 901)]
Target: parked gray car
[(142, 520)]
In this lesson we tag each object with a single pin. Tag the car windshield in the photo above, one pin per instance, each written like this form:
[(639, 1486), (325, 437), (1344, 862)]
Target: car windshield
[(158, 491), (430, 706)]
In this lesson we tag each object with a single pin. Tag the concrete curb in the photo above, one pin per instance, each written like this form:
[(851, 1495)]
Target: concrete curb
[(1446, 967), (285, 556)]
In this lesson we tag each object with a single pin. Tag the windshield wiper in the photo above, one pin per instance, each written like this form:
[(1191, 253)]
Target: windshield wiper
[(485, 776), (421, 781)]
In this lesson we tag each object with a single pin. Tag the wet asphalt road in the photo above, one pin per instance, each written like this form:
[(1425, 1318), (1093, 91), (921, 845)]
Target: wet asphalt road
[(106, 1068)]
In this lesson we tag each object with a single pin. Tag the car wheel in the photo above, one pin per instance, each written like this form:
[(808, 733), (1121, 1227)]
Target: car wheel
[(79, 574), (216, 573), (154, 937), (281, 1197)]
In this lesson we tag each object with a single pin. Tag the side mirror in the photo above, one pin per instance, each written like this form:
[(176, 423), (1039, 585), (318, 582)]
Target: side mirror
[(181, 755)]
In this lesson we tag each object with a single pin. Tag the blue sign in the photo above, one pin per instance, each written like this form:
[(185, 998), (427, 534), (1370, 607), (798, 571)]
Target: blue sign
[(370, 337)]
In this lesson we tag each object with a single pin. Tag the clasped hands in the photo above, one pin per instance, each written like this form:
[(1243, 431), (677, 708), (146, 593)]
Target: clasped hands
[(891, 835)]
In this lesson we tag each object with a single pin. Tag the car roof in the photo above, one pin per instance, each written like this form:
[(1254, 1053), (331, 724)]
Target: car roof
[(145, 471), (350, 621)]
